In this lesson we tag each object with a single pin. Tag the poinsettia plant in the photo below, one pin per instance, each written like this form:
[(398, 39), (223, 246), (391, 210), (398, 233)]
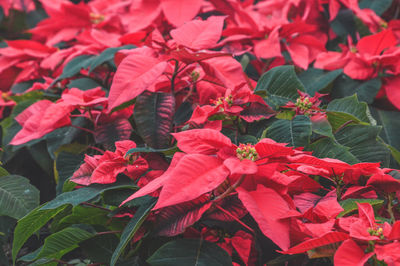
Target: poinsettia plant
[(233, 132)]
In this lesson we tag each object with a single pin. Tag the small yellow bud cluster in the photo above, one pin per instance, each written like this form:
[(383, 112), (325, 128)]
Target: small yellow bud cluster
[(246, 151), (303, 103), (195, 76), (96, 18), (376, 232)]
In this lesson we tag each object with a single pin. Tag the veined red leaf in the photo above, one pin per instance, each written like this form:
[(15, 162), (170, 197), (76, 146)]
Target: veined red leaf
[(178, 12), (326, 239), (231, 204), (134, 75), (153, 115), (256, 111), (266, 207), (226, 70), (188, 57), (204, 141), (41, 118), (194, 175), (173, 220), (199, 34)]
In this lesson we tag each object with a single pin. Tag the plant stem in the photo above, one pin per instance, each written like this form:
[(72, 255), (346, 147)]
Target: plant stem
[(230, 189)]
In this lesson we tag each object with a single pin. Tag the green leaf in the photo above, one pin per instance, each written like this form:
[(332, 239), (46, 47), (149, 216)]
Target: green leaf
[(322, 127), (341, 111), (107, 55), (315, 80), (85, 215), (391, 126), (74, 66), (29, 224), (366, 91), (296, 132), (344, 25), (279, 85), (17, 196), (190, 252), (131, 228), (350, 205), (66, 164), (379, 6), (60, 242), (86, 193), (83, 84), (153, 115), (327, 148), (363, 143), (3, 172), (100, 248)]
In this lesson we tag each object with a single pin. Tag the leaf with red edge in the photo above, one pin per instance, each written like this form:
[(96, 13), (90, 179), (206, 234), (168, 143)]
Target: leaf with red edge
[(178, 12), (154, 113), (256, 111), (350, 254), (134, 75), (194, 175), (199, 34), (268, 215), (172, 221), (204, 141), (112, 131), (326, 239)]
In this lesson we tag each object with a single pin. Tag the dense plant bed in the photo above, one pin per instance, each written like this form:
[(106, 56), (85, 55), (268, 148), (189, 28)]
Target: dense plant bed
[(202, 132)]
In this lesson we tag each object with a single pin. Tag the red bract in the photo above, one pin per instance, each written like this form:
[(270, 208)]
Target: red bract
[(104, 169), (41, 118)]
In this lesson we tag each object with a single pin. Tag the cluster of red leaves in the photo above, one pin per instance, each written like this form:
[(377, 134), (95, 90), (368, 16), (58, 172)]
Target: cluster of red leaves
[(185, 48)]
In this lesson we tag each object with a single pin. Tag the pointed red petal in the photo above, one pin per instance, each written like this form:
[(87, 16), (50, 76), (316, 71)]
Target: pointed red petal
[(178, 12), (134, 75), (194, 175), (350, 254), (204, 141), (198, 34)]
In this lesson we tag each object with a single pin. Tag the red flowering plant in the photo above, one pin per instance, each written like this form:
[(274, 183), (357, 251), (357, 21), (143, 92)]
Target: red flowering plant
[(233, 132)]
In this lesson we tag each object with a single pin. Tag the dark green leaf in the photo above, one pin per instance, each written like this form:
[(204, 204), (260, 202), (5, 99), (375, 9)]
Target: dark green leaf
[(153, 115), (279, 85), (61, 242), (131, 228), (29, 224), (295, 132), (107, 55), (74, 66), (17, 196), (366, 91), (350, 205), (363, 143), (83, 84), (341, 111), (190, 252), (327, 148), (66, 164), (315, 80), (87, 193), (379, 6), (344, 24), (100, 248)]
